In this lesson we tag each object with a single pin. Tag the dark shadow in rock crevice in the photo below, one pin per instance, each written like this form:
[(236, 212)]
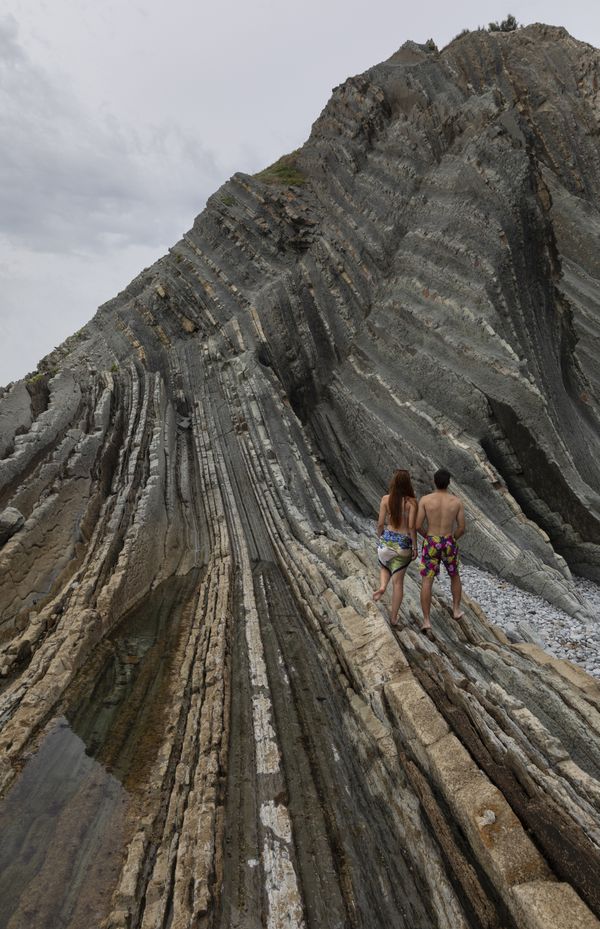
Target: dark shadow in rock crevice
[(64, 822)]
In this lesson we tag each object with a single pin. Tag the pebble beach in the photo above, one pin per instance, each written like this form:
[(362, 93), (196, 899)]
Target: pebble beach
[(539, 621)]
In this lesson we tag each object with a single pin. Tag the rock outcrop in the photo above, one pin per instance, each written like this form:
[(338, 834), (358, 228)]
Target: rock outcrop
[(10, 522), (186, 622)]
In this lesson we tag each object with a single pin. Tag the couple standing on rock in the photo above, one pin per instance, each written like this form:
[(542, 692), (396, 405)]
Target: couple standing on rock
[(444, 517)]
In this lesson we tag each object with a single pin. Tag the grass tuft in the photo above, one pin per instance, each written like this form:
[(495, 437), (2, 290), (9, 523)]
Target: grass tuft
[(284, 171), (36, 378)]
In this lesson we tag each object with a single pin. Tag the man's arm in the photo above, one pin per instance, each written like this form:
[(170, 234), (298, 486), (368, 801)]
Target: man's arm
[(412, 519), (460, 521), (421, 516), (381, 518)]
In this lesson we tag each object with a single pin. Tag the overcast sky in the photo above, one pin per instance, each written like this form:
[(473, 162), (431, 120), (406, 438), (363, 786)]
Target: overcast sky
[(118, 120)]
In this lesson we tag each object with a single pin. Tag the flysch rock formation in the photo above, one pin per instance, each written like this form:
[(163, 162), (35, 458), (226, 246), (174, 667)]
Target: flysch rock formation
[(205, 720)]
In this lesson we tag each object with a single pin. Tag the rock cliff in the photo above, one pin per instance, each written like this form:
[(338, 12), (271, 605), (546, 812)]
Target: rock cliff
[(197, 684)]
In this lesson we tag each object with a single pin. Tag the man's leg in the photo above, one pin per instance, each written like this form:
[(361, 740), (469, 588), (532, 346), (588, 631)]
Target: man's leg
[(456, 589), (426, 589), (397, 594)]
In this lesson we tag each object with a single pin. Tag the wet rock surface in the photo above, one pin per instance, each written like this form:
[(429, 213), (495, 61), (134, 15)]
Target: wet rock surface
[(188, 642)]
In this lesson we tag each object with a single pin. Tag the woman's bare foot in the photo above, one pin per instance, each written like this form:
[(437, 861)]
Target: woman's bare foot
[(458, 615), (378, 594), (393, 620)]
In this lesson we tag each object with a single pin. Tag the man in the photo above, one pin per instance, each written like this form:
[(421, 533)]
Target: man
[(445, 517)]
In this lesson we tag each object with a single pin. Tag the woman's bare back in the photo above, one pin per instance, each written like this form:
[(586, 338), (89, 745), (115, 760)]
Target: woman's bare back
[(409, 511)]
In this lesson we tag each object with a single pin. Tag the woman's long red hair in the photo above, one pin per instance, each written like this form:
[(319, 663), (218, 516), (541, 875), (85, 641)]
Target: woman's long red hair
[(400, 487)]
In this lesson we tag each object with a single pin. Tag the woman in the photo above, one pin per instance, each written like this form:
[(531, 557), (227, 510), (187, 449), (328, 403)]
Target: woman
[(398, 543)]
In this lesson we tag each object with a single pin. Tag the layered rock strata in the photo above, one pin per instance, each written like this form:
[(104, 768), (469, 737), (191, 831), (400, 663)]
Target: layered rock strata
[(208, 448)]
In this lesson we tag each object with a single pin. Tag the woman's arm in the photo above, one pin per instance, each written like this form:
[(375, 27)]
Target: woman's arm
[(382, 512)]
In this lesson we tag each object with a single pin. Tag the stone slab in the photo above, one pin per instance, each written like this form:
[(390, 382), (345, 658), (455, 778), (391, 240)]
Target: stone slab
[(549, 905), (494, 831), (414, 712), (569, 671)]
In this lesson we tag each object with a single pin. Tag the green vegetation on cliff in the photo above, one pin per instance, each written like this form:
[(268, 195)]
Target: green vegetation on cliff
[(284, 171)]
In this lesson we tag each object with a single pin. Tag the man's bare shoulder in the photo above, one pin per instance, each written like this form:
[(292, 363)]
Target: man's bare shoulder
[(455, 504), (426, 498)]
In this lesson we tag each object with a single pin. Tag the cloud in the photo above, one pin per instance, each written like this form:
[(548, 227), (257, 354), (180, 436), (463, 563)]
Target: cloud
[(87, 197), (73, 181), (9, 47)]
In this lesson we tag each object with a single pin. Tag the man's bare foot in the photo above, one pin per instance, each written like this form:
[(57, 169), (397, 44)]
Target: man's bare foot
[(378, 594), (458, 615), (393, 621)]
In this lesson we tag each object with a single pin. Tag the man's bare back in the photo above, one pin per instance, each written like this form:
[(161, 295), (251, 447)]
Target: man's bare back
[(444, 514), (441, 520)]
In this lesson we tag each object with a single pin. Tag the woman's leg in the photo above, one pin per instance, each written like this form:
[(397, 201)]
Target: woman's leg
[(397, 594), (384, 579)]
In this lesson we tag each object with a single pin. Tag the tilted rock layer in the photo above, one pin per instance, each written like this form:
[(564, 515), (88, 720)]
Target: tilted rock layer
[(417, 287)]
